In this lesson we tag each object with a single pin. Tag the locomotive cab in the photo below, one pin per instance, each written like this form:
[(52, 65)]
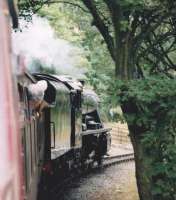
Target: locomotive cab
[(65, 117)]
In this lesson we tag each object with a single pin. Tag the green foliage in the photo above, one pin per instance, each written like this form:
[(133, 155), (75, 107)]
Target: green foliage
[(150, 110), (100, 83), (149, 27), (76, 28), (28, 7), (64, 21)]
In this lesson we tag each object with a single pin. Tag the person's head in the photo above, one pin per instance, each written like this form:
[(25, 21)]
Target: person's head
[(37, 92)]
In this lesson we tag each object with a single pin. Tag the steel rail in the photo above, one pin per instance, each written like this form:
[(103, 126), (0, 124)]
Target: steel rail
[(113, 160)]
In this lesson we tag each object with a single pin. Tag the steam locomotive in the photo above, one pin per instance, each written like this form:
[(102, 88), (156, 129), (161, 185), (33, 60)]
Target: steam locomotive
[(50, 125), (66, 134)]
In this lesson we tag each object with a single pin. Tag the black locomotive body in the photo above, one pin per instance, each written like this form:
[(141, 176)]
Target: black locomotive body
[(76, 128), (64, 135), (96, 139), (65, 116)]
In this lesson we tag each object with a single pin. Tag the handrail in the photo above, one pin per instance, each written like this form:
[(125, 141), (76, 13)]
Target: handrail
[(54, 135)]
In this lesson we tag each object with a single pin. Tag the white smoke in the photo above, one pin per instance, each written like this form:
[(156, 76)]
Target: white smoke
[(37, 41)]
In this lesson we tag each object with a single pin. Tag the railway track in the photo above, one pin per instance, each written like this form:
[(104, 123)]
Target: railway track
[(107, 162), (112, 160)]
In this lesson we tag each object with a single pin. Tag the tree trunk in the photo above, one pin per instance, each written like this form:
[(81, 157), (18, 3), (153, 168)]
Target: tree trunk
[(142, 167), (124, 59), (142, 162), (125, 70)]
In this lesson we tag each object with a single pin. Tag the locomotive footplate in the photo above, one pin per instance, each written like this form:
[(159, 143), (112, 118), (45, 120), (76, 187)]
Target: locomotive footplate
[(96, 131)]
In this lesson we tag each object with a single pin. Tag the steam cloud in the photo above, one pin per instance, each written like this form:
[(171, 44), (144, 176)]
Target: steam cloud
[(38, 42)]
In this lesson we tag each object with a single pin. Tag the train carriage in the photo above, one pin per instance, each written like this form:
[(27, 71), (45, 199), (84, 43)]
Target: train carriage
[(10, 158)]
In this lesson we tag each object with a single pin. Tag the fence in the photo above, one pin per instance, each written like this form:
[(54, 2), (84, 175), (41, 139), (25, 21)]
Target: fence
[(119, 133)]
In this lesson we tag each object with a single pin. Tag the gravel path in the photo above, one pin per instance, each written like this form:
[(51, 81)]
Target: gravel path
[(113, 183)]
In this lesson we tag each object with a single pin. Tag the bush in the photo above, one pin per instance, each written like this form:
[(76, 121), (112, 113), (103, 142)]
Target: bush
[(154, 115)]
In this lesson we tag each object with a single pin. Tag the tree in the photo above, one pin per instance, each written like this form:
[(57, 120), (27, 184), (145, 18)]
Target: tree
[(140, 37), (135, 31), (137, 34)]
